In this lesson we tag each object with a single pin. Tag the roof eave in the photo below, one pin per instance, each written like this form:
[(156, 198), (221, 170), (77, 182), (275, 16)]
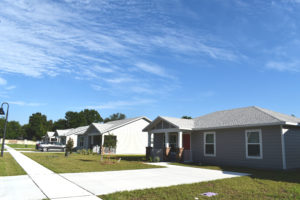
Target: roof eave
[(240, 126)]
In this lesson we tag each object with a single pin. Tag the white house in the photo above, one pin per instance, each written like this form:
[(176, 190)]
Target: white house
[(64, 135), (49, 137), (128, 132)]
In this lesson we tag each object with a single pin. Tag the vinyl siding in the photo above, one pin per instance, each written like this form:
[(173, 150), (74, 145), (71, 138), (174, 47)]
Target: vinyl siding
[(292, 147), (231, 148)]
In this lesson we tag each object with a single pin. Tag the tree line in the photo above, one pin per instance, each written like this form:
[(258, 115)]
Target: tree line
[(38, 125)]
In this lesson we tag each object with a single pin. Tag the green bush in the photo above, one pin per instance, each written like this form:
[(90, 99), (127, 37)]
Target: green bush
[(69, 146), (156, 159)]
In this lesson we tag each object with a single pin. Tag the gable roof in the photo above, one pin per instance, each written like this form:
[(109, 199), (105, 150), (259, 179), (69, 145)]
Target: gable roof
[(50, 134), (77, 131), (61, 132), (239, 117), (109, 126)]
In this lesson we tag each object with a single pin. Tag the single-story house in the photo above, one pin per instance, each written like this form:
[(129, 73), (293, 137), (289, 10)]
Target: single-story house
[(61, 135), (128, 134), (64, 135), (252, 137), (49, 137)]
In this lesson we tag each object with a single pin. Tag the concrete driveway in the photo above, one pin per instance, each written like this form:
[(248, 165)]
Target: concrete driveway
[(41, 182), (109, 182)]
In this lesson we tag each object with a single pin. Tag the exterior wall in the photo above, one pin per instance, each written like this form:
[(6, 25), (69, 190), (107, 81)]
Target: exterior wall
[(131, 139), (292, 147), (231, 148)]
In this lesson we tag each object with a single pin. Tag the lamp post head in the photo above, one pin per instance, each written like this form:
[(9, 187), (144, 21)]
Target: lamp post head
[(2, 111)]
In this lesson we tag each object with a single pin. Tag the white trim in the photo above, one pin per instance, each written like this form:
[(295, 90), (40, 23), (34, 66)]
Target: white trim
[(165, 130), (283, 131), (260, 144), (179, 138), (204, 142), (166, 139)]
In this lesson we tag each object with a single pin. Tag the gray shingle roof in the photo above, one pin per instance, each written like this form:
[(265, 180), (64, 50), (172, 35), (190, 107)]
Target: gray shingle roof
[(106, 127), (239, 117), (182, 123), (77, 131)]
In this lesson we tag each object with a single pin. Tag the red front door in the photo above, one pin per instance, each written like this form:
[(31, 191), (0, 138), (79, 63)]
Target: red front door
[(186, 141)]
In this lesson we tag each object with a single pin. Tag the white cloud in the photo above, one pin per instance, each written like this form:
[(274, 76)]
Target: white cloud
[(153, 69), (41, 38), (3, 81), (11, 87), (284, 66), (22, 103), (121, 104)]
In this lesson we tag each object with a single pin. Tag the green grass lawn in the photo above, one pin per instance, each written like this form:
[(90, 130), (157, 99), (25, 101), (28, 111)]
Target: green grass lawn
[(9, 167), (1, 147), (21, 146), (75, 162), (261, 184)]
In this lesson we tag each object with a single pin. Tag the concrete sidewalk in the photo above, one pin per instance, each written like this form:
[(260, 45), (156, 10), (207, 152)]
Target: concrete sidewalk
[(52, 185)]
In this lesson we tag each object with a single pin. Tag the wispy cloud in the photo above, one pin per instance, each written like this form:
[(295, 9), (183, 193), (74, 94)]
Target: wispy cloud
[(22, 103), (11, 87), (121, 104), (3, 81), (49, 38), (153, 69), (284, 66)]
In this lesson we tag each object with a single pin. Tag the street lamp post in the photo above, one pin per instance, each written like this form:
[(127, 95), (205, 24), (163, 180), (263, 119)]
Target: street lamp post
[(4, 133)]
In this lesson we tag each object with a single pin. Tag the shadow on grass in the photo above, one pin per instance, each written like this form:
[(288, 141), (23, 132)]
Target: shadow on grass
[(292, 176), (85, 160), (128, 157)]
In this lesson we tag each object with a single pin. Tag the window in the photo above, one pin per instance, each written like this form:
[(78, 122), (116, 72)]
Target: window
[(173, 141), (81, 141), (253, 144), (210, 144)]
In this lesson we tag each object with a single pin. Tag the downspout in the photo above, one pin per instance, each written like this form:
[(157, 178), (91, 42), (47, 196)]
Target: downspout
[(283, 148)]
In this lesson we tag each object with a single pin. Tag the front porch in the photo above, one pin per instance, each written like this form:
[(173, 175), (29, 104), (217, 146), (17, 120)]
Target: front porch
[(169, 145)]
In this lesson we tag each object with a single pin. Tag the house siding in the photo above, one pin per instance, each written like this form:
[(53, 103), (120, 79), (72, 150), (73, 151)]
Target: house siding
[(292, 147), (231, 148)]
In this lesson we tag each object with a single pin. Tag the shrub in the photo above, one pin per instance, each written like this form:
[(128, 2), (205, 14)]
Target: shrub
[(69, 146), (156, 159)]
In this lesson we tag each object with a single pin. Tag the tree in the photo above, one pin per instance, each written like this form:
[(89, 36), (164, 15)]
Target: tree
[(14, 129), (110, 142), (114, 117), (186, 117), (91, 116), (74, 119), (37, 126), (59, 124), (69, 146)]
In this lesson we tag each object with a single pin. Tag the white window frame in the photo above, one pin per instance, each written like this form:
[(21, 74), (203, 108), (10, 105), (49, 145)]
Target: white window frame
[(260, 143), (208, 133)]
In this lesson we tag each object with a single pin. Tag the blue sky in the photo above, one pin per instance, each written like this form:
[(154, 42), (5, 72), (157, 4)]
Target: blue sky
[(151, 58)]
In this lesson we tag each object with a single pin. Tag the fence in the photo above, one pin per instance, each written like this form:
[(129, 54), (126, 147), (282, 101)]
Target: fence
[(30, 142)]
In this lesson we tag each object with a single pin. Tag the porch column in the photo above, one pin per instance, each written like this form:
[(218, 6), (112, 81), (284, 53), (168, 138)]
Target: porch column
[(149, 147), (102, 143), (149, 139), (166, 139), (180, 139), (167, 147), (180, 148)]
